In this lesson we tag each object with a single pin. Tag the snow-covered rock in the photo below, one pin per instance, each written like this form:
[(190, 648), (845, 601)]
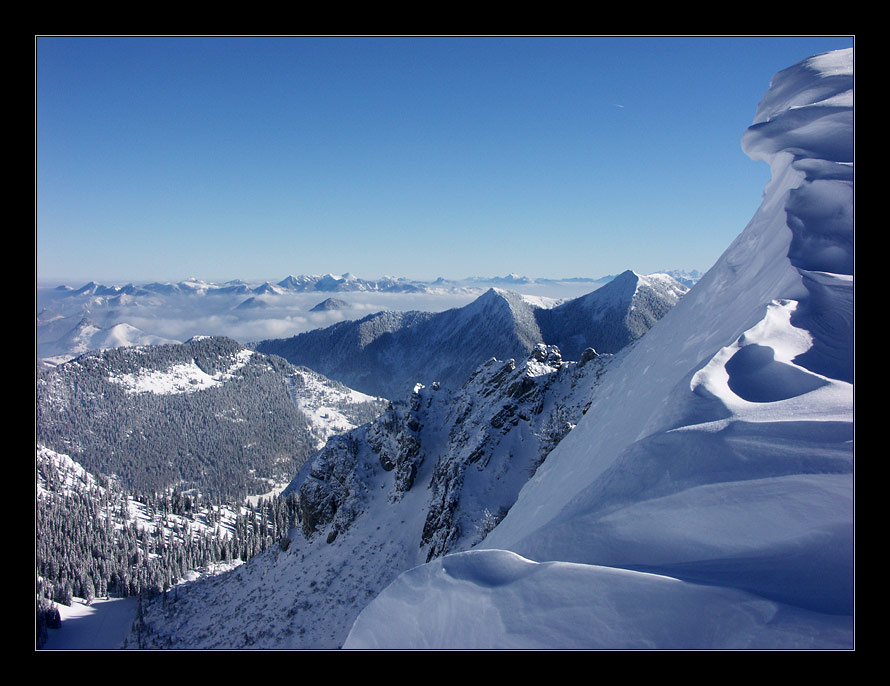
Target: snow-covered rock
[(432, 474)]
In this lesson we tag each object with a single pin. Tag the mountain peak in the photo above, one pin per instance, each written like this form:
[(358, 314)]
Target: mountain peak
[(330, 304)]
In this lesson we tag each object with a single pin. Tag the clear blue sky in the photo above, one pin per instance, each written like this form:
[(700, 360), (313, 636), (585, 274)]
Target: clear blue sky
[(255, 158)]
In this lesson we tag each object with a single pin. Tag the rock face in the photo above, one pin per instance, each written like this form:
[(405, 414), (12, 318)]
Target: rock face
[(478, 444), (385, 354)]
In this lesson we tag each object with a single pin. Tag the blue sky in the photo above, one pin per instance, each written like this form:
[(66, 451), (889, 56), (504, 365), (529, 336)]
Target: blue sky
[(255, 158)]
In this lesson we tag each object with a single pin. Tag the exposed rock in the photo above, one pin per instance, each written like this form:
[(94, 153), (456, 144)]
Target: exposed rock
[(587, 356)]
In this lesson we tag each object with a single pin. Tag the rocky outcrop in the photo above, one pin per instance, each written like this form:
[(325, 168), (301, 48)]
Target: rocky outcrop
[(329, 495), (396, 440), (503, 424), (481, 443)]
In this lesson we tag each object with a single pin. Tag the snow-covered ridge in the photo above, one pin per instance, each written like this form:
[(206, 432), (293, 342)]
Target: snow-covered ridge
[(386, 353), (705, 500), (71, 322), (87, 336), (179, 378), (207, 402), (72, 474)]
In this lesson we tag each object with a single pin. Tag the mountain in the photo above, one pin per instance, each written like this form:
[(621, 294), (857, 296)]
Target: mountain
[(94, 539), (350, 282), (386, 353), (347, 350), (692, 491), (432, 474), (252, 303), (86, 335), (705, 500), (178, 311), (207, 414), (687, 277), (330, 304), (267, 289), (612, 316)]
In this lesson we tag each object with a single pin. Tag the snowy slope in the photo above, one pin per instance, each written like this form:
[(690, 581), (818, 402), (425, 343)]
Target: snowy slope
[(706, 498), (386, 353), (429, 476), (67, 476), (86, 335)]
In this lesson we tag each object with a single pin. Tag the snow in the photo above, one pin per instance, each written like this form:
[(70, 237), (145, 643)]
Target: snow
[(541, 301), (323, 403), (75, 477), (179, 378), (172, 312), (309, 595), (102, 625), (495, 599), (705, 500)]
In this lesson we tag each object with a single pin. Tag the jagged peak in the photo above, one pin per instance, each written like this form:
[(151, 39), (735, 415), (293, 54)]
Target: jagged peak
[(619, 290), (547, 354)]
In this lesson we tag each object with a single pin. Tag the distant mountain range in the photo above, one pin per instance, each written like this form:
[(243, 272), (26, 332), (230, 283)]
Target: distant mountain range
[(95, 316), (386, 353), (325, 283)]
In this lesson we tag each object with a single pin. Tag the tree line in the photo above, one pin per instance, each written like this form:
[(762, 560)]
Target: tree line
[(89, 545)]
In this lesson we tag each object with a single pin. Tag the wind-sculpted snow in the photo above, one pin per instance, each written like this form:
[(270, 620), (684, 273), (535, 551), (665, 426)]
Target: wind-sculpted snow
[(717, 457), (494, 599)]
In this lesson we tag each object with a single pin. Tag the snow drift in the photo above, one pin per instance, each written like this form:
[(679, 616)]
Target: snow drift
[(706, 498)]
